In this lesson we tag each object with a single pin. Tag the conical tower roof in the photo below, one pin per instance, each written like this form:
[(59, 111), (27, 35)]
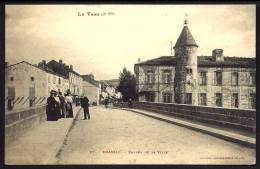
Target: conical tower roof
[(185, 38)]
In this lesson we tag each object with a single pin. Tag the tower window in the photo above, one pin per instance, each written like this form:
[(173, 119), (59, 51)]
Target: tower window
[(32, 78), (189, 71), (11, 78)]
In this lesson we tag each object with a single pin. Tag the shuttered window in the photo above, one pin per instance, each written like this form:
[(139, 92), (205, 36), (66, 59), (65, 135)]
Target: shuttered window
[(150, 78), (203, 99), (219, 99), (166, 76), (234, 78), (11, 92), (203, 78), (234, 100), (252, 101), (188, 98), (218, 78)]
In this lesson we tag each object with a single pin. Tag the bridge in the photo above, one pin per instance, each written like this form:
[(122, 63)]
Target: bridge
[(146, 133)]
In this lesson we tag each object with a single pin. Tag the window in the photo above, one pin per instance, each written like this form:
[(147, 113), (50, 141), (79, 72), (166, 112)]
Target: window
[(234, 101), (31, 96), (252, 101), (218, 78), (219, 99), (149, 77), (54, 80), (188, 98), (11, 96), (59, 81), (252, 79), (11, 92), (189, 71), (166, 76), (234, 78), (32, 78), (167, 97), (203, 99), (203, 78), (11, 78), (149, 97)]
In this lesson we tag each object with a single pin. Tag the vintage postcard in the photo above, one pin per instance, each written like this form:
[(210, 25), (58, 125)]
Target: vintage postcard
[(130, 84)]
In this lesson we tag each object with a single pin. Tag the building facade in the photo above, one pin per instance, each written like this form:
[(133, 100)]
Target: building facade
[(25, 86), (186, 78), (92, 89)]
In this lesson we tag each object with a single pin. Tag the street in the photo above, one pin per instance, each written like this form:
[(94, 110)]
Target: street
[(114, 136)]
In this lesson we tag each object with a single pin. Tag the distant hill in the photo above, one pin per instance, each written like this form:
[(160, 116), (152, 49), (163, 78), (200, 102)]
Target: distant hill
[(112, 82)]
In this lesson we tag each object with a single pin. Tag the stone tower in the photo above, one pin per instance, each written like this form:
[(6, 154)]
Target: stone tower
[(185, 81)]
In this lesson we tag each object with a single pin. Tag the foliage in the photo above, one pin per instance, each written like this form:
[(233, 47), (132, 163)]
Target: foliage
[(127, 85)]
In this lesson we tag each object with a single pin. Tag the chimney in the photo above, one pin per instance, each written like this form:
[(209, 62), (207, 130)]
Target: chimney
[(71, 67), (60, 61), (139, 60), (6, 64), (217, 55), (44, 62)]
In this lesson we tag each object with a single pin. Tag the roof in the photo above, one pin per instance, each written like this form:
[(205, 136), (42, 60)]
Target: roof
[(91, 81), (205, 61), (26, 63), (185, 38)]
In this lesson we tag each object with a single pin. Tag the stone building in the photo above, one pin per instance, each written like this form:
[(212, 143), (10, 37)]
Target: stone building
[(68, 78), (91, 88), (186, 78), (25, 86)]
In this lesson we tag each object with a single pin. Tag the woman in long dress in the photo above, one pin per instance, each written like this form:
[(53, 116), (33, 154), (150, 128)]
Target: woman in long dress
[(69, 107)]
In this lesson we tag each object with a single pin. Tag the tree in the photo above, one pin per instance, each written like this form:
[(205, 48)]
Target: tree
[(127, 85)]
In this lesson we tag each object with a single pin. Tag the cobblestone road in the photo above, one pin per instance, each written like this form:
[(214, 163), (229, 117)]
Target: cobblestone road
[(115, 136)]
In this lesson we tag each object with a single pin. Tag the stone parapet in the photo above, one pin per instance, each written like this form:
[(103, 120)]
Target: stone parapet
[(239, 119)]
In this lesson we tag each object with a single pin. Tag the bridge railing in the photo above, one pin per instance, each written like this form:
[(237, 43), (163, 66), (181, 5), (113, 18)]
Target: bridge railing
[(242, 119), (17, 122)]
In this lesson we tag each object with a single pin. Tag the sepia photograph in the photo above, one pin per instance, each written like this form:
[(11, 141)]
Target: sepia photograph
[(89, 84)]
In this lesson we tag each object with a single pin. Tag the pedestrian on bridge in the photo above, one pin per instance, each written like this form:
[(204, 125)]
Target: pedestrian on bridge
[(51, 108), (85, 106), (69, 108)]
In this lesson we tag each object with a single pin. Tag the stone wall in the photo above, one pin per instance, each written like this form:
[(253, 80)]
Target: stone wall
[(18, 122), (241, 119)]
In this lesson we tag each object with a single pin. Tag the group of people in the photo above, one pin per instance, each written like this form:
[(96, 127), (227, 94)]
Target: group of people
[(59, 106)]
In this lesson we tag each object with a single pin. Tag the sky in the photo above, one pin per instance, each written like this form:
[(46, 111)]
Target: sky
[(110, 37)]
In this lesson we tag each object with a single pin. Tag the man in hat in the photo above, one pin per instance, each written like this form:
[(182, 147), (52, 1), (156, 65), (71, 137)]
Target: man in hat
[(85, 106), (51, 108)]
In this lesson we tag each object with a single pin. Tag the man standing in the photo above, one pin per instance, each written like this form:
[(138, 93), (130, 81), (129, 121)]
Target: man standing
[(62, 105), (85, 106), (51, 108)]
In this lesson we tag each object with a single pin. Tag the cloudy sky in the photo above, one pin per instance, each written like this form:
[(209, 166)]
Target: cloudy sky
[(105, 44)]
